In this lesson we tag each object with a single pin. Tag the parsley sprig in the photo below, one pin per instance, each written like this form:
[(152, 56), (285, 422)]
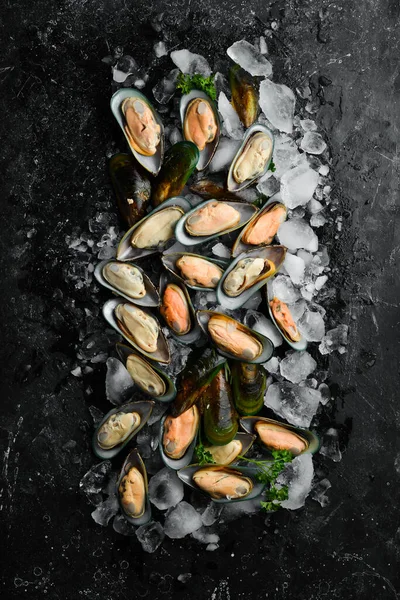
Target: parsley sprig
[(204, 457), (187, 83)]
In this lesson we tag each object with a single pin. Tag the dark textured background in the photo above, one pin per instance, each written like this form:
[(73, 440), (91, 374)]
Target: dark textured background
[(56, 129)]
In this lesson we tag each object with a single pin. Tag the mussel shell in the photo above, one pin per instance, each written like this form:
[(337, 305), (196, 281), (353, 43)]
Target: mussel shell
[(177, 463), (302, 343), (186, 475), (134, 460), (244, 95), (131, 186), (161, 355), (210, 148), (195, 331), (245, 209), (275, 254), (150, 163), (313, 441), (124, 352), (232, 185), (239, 246), (220, 419), (246, 439), (179, 163), (143, 408), (126, 251), (151, 297), (248, 394), (169, 262), (203, 316)]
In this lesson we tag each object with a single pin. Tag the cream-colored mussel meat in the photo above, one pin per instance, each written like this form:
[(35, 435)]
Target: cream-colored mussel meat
[(117, 428), (138, 325), (145, 376), (132, 493), (198, 271), (254, 157), (245, 274), (230, 337), (223, 483), (214, 217), (224, 455), (157, 229), (126, 278)]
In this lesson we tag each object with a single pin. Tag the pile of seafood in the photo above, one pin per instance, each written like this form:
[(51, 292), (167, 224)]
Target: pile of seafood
[(175, 211)]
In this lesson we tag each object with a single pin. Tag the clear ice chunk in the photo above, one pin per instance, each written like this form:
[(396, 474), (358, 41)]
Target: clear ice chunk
[(286, 155), (160, 49), (231, 122), (211, 514), (224, 154), (313, 143), (166, 87), (151, 536), (119, 384), (298, 185), (311, 325), (308, 125), (205, 537), (283, 288), (221, 250), (249, 58), (330, 445), (121, 526), (298, 476), (190, 63), (260, 323), (105, 511), (294, 267), (93, 482), (182, 520), (297, 366), (296, 233), (165, 489), (277, 102), (268, 186), (335, 339), (292, 402), (318, 492)]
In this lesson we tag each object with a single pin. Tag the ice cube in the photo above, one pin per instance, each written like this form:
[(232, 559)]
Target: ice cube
[(298, 185), (119, 384), (311, 325), (250, 59), (272, 365), (283, 288), (318, 492), (236, 510), (298, 476), (166, 87), (324, 170), (335, 339), (158, 411), (231, 122), (268, 186), (105, 511), (330, 445), (205, 537), (320, 282), (308, 125), (151, 536), (175, 136), (286, 155), (93, 482), (297, 366), (277, 101), (325, 393), (221, 250), (165, 489), (160, 49), (121, 525), (292, 402), (314, 206), (318, 220), (263, 45), (260, 323), (253, 302), (182, 520), (294, 267), (211, 514), (190, 63), (296, 233), (179, 356), (313, 143), (224, 154), (184, 577)]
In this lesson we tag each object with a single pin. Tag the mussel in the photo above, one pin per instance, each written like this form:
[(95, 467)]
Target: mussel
[(178, 438), (180, 162), (281, 436), (220, 419), (244, 95), (249, 382), (283, 320), (213, 187), (132, 490), (175, 309), (200, 124), (194, 270), (228, 453), (252, 159), (127, 280), (131, 186)]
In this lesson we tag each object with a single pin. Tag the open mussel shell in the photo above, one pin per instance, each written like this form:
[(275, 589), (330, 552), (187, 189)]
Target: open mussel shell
[(302, 343), (246, 440), (169, 261), (245, 210), (208, 152), (312, 441), (170, 390), (186, 475), (151, 297), (134, 460), (126, 251), (176, 463), (143, 408), (161, 355), (195, 332), (239, 246), (150, 163), (266, 346), (232, 185), (274, 254)]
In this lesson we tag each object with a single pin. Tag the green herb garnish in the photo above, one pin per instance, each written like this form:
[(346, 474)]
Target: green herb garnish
[(187, 83), (204, 457), (272, 167)]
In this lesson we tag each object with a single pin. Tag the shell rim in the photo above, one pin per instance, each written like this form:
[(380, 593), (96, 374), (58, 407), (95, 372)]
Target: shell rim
[(148, 284)]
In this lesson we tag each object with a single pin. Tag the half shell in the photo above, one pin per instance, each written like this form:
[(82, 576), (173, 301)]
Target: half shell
[(126, 251), (150, 163), (161, 354), (256, 347), (232, 184), (194, 331), (186, 105), (270, 258), (309, 438), (301, 344), (209, 270), (185, 228), (150, 296), (132, 490), (187, 455), (142, 408)]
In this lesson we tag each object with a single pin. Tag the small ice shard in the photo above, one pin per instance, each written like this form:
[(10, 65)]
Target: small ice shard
[(211, 514), (324, 170), (236, 510), (232, 125), (95, 480), (320, 282), (205, 537), (175, 136), (253, 302), (330, 445), (250, 59), (298, 185), (260, 323), (119, 384), (314, 206), (286, 155), (106, 253), (311, 325), (308, 125), (318, 220), (263, 45), (335, 339), (298, 476), (190, 63), (277, 103), (165, 489), (224, 155), (292, 402), (179, 355), (184, 577), (283, 288), (313, 143), (325, 393), (105, 511), (318, 492), (272, 365), (160, 49), (182, 520), (297, 366), (119, 76), (268, 186), (221, 250), (294, 267), (151, 536), (121, 525), (96, 415), (166, 87), (296, 233)]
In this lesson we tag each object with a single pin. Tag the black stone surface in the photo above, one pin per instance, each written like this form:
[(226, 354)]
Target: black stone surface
[(56, 130)]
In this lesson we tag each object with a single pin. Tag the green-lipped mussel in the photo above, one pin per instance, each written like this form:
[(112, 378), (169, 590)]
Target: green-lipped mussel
[(178, 438), (131, 186), (275, 435), (127, 280), (132, 490), (244, 95), (177, 310), (252, 159), (180, 162), (197, 272), (283, 320), (220, 419), (200, 124), (228, 453), (249, 383)]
